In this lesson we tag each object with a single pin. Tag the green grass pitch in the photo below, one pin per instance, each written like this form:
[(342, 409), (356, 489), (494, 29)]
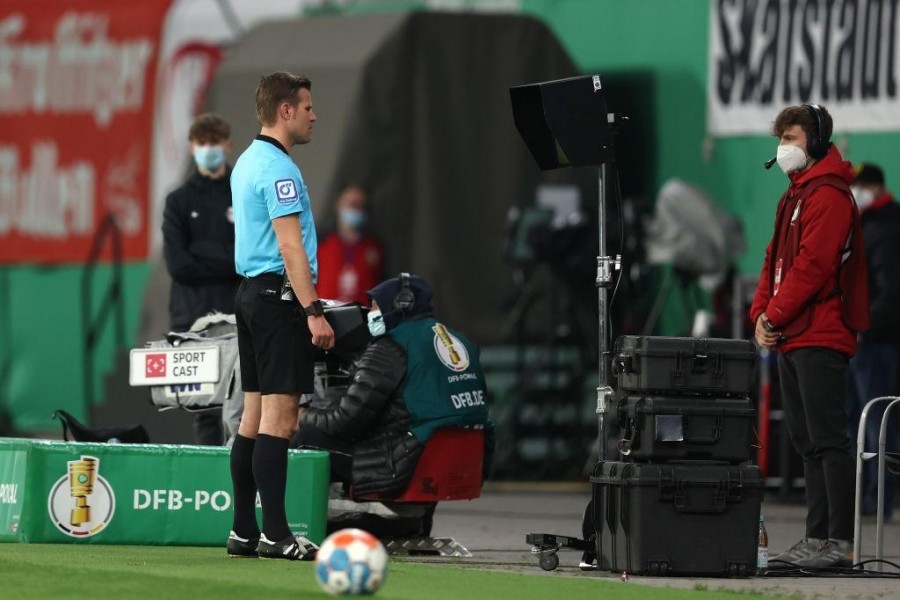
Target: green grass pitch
[(43, 571)]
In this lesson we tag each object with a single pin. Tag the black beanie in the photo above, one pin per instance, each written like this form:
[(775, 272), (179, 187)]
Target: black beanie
[(869, 173)]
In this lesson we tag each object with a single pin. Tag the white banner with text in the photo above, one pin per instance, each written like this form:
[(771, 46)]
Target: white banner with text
[(768, 54)]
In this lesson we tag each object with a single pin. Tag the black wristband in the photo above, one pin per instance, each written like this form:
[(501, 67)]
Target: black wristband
[(315, 308)]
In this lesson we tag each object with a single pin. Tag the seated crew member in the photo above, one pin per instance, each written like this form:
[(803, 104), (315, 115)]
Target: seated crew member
[(402, 389)]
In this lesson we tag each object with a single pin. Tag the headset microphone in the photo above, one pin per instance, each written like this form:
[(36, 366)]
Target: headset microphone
[(768, 164)]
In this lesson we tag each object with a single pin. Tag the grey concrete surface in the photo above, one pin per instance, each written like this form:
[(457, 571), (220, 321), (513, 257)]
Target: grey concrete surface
[(493, 528)]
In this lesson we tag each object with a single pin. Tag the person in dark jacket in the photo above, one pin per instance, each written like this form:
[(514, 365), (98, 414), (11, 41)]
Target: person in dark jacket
[(810, 304), (874, 369), (198, 244), (405, 385)]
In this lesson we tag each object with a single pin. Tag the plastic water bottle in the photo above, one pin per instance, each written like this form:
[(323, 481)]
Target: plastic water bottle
[(762, 547)]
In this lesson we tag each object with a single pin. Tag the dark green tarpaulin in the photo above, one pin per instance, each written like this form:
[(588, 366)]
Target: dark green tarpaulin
[(416, 107)]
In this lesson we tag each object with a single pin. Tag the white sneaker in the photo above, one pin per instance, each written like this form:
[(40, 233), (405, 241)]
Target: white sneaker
[(290, 548), (833, 553), (805, 548)]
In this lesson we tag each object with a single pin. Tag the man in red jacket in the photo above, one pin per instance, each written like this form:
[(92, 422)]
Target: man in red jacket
[(351, 259), (810, 303)]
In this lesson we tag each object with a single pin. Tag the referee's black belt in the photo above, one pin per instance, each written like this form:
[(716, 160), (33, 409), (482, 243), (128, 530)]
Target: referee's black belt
[(267, 277)]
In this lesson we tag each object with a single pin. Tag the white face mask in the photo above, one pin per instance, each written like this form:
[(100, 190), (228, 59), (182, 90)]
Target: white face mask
[(376, 323), (352, 217), (209, 158), (790, 158), (864, 196)]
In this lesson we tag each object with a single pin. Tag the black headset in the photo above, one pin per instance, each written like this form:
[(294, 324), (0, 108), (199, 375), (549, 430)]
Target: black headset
[(405, 299), (817, 146)]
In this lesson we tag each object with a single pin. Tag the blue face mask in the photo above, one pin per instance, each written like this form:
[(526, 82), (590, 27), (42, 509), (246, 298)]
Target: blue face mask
[(353, 218), (376, 323), (209, 158)]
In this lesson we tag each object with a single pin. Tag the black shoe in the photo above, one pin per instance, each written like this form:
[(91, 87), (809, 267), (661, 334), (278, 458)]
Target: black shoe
[(290, 548), (239, 547)]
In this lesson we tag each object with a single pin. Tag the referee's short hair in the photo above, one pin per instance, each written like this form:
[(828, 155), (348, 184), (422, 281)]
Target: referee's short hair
[(275, 88)]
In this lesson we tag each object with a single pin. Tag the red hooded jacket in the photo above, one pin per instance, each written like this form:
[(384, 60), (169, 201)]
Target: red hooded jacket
[(348, 271), (813, 285)]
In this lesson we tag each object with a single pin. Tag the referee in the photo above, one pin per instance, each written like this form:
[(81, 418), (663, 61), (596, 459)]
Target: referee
[(279, 317)]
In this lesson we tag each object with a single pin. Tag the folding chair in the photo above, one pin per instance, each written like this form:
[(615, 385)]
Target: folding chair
[(891, 460)]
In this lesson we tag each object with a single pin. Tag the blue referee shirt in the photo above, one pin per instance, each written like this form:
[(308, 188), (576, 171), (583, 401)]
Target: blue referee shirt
[(265, 185)]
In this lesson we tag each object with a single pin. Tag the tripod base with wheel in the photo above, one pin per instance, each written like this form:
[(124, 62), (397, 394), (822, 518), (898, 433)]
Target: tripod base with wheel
[(547, 545)]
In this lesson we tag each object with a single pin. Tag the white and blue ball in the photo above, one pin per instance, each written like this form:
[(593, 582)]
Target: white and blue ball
[(351, 562)]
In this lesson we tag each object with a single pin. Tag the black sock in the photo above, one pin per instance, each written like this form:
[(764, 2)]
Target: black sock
[(270, 472), (244, 485)]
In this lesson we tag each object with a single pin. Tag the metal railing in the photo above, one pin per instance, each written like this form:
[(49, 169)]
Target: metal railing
[(93, 324), (881, 456)]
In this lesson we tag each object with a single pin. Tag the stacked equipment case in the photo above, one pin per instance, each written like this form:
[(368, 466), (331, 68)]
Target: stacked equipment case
[(683, 500)]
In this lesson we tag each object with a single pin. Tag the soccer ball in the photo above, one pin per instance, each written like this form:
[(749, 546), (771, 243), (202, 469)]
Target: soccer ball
[(351, 562)]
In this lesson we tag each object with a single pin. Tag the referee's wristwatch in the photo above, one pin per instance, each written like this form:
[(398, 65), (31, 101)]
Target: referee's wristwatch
[(314, 309)]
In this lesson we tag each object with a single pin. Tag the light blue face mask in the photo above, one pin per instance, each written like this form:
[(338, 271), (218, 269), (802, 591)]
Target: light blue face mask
[(209, 158), (353, 218), (376, 323)]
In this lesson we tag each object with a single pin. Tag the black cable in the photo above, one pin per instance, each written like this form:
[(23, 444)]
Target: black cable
[(829, 572), (877, 560), (790, 570)]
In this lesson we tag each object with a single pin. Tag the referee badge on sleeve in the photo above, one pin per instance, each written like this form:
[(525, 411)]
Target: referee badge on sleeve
[(286, 191)]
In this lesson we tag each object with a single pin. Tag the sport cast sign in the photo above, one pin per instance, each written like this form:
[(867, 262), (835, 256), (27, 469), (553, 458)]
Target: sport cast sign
[(173, 366)]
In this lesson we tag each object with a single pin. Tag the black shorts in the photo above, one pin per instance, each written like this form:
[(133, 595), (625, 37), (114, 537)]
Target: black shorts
[(274, 342)]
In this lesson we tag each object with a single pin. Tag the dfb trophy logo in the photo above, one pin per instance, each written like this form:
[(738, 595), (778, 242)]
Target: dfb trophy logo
[(68, 502)]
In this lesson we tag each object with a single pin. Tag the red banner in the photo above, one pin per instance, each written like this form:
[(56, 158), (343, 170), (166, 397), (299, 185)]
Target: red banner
[(77, 84)]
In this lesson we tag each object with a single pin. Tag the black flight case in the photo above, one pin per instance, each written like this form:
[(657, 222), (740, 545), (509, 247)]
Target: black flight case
[(676, 519), (680, 365), (656, 428)]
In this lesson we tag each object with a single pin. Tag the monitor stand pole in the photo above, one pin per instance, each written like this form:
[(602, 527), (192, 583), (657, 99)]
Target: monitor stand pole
[(605, 267)]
